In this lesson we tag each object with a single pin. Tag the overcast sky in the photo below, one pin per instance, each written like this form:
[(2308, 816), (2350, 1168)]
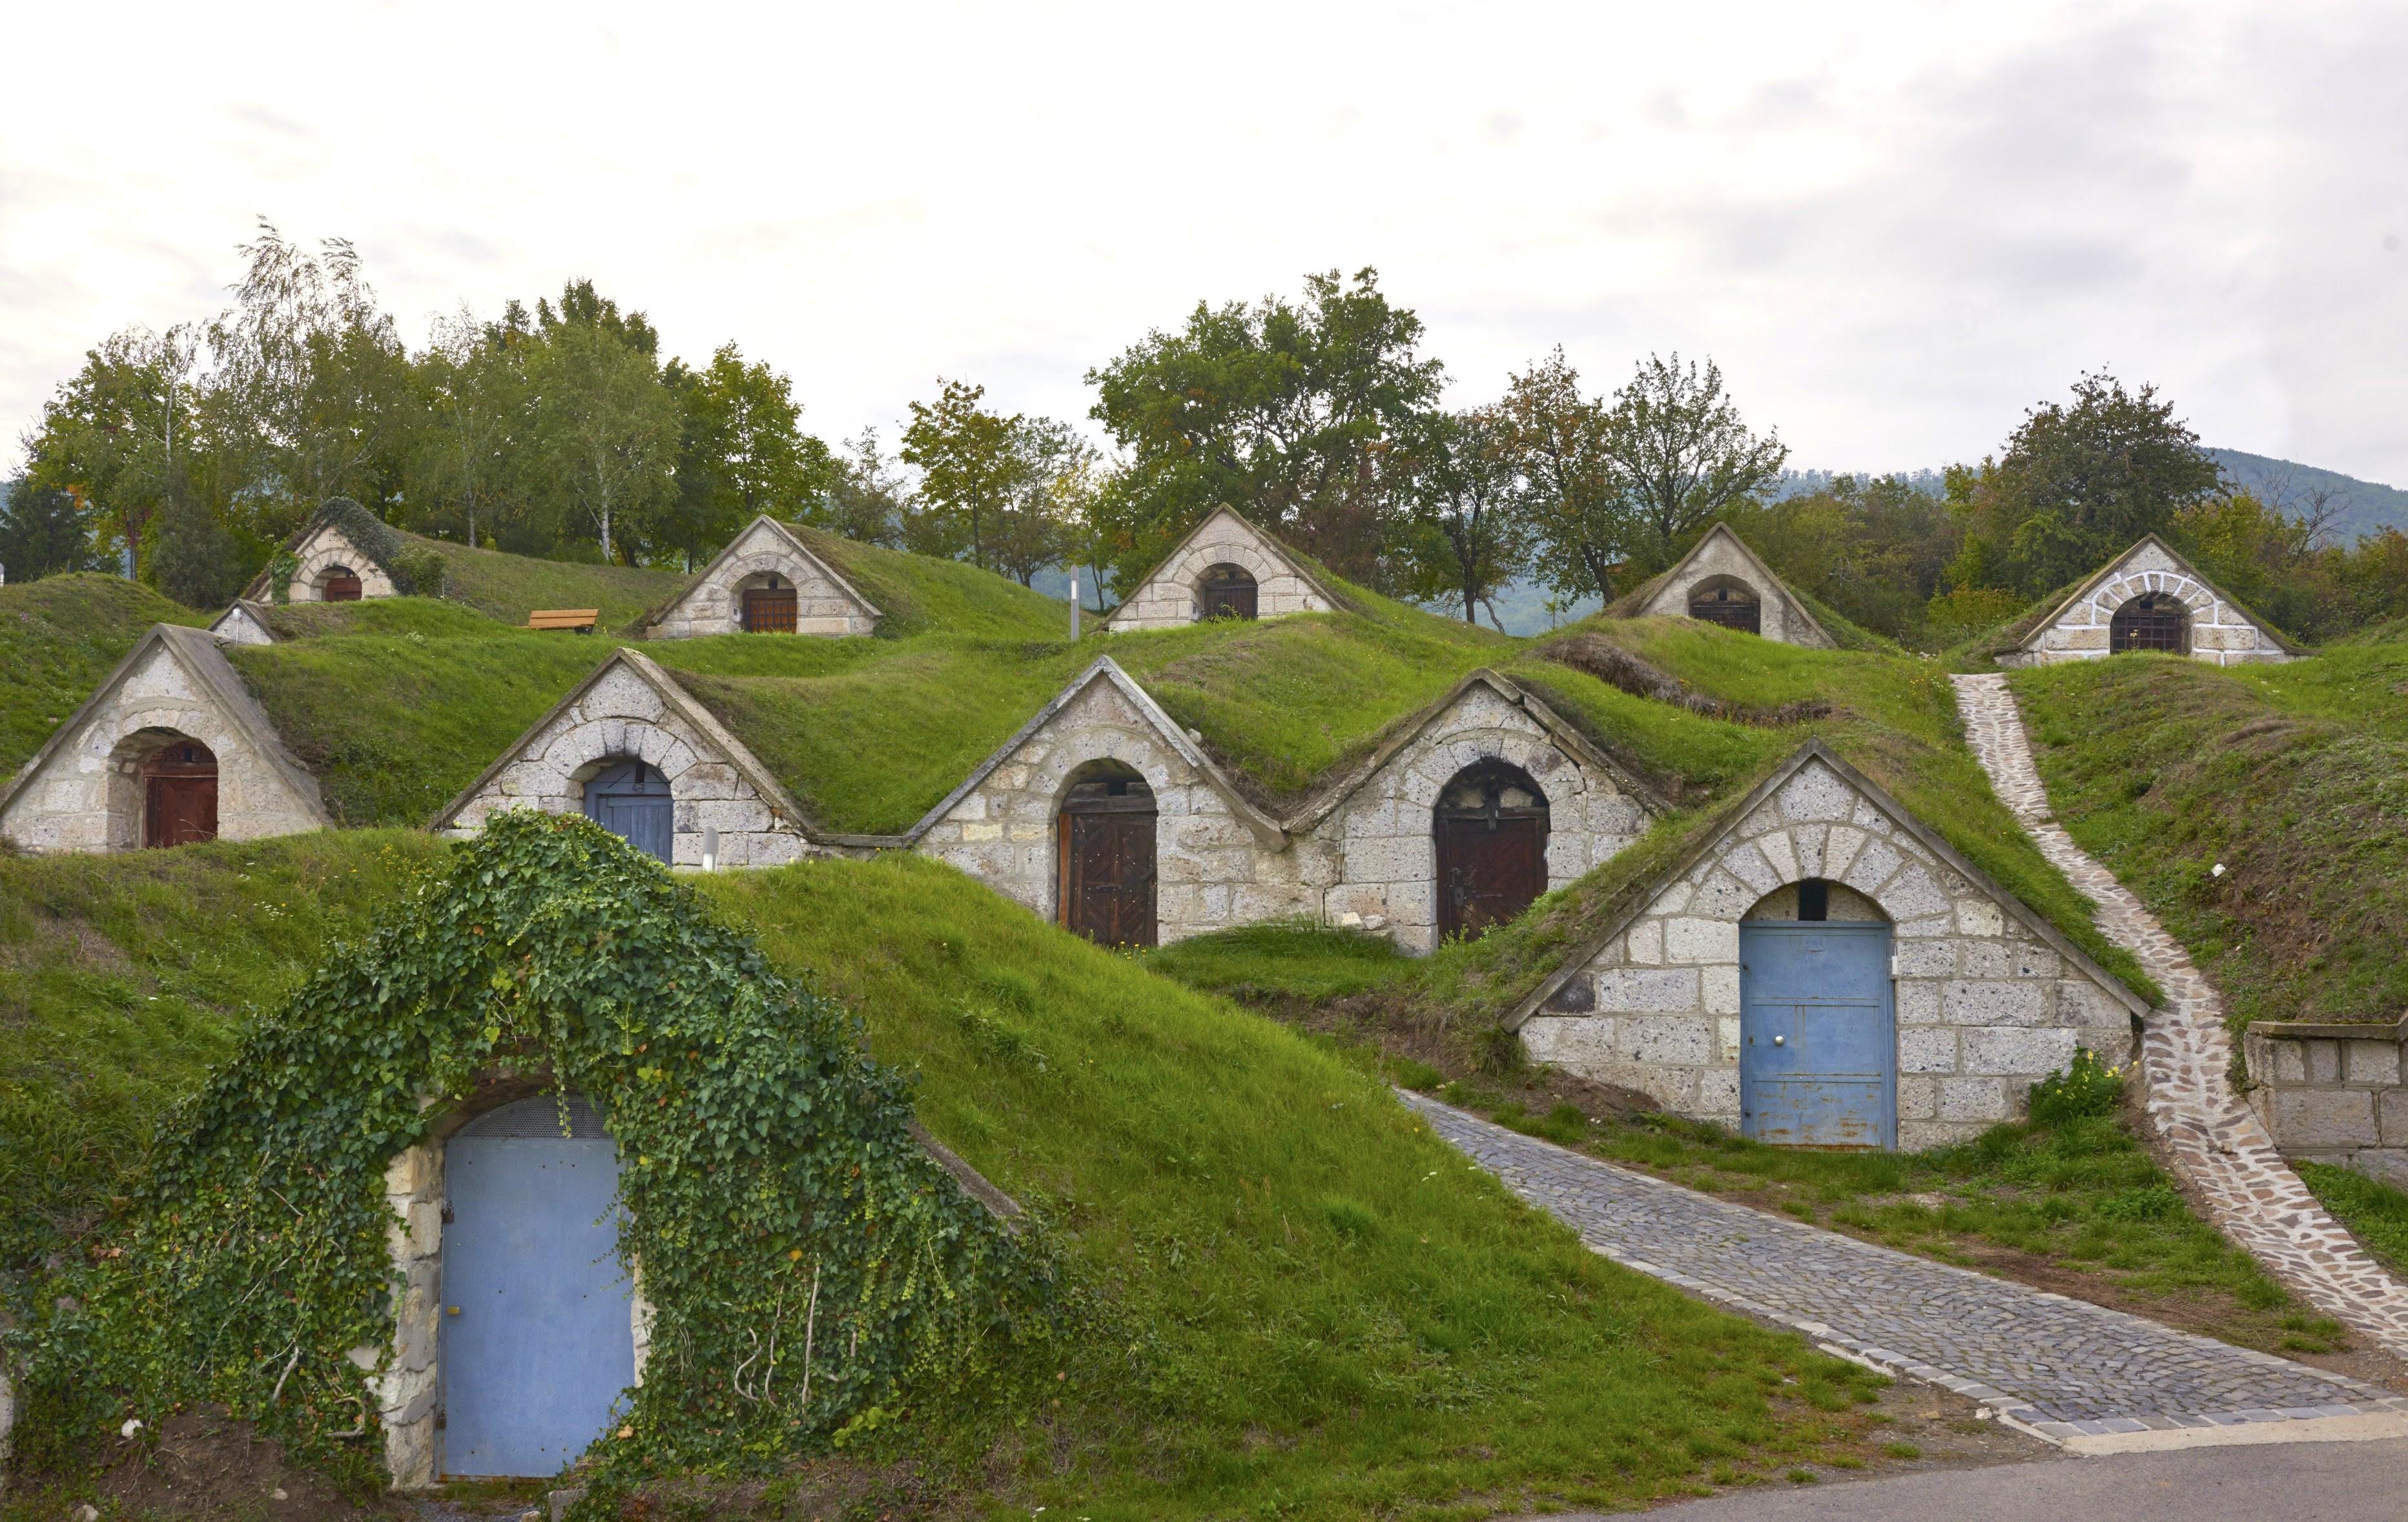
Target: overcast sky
[(1895, 226)]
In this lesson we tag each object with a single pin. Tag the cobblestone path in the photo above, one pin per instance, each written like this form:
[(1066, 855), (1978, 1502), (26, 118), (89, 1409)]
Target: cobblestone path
[(2185, 1057), (2065, 1368)]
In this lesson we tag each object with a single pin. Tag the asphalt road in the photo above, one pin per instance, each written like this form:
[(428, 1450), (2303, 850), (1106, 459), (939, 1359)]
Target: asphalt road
[(2292, 1482)]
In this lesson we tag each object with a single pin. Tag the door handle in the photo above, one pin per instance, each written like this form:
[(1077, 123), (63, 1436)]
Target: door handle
[(451, 1310), (1777, 1041)]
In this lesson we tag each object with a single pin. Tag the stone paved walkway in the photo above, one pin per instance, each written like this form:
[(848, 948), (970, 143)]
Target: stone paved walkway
[(2064, 1368), (2185, 1057)]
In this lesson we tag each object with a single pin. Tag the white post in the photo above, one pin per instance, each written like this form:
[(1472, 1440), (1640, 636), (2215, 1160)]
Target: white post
[(1074, 608), (710, 848)]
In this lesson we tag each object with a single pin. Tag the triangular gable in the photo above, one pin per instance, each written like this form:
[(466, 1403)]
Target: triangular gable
[(788, 541), (2031, 640), (1634, 902), (369, 537), (1107, 670), (1562, 734), (202, 660), (1723, 535), (732, 750), (1288, 560), (241, 616)]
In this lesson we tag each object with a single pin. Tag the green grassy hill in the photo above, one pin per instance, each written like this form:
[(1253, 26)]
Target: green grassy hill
[(507, 587), (58, 638), (2294, 777), (1328, 1312)]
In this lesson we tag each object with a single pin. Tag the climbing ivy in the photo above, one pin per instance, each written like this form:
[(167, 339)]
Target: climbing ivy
[(812, 1272)]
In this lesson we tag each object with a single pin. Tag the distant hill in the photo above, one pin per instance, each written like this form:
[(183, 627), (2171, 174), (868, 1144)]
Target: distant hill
[(2365, 507)]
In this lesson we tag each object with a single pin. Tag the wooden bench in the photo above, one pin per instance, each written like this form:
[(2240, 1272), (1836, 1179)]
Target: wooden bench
[(580, 620)]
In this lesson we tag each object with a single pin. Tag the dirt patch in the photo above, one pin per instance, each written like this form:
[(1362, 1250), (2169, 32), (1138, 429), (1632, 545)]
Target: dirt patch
[(202, 1466)]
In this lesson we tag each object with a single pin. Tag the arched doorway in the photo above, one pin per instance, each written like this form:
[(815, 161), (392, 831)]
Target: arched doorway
[(341, 584), (179, 794), (1104, 851), (769, 605), (1818, 1039), (1226, 592), (2153, 621), (1491, 829), (538, 1339), (1727, 601), (631, 800)]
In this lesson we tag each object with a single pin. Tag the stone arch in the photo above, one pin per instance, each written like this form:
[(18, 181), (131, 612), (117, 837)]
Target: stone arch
[(1225, 589), (131, 762), (1819, 1042), (1814, 899), (2152, 621), (1555, 775), (339, 583), (1488, 831), (1728, 601), (766, 598), (1106, 853)]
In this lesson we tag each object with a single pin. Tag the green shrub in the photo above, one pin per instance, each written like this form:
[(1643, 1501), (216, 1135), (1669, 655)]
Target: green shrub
[(418, 572), (282, 568), (2087, 1089)]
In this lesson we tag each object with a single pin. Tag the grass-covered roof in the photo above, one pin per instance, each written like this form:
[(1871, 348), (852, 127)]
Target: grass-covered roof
[(59, 637)]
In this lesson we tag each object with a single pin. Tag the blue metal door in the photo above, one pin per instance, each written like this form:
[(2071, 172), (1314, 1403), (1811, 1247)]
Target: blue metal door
[(632, 801), (1818, 1048), (538, 1343)]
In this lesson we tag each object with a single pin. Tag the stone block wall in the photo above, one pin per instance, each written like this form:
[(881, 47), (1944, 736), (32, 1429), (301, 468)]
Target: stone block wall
[(408, 1390), (2219, 632), (623, 716), (716, 606), (1984, 1004), (2331, 1092), (1720, 555), (238, 625), (1167, 598), (1211, 870), (88, 794), (1382, 836), (324, 551)]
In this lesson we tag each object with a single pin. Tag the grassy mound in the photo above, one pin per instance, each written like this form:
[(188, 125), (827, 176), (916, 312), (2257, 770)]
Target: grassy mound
[(923, 595), (2294, 777), (58, 638), (1327, 1312), (507, 587)]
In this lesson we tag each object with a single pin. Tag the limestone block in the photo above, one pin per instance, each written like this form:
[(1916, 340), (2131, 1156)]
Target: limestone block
[(1913, 895), (2387, 1163), (1781, 854), (2312, 1118), (1577, 1043), (1748, 865), (1688, 939), (1926, 957), (1718, 1093), (1924, 1134), (2324, 1061), (1918, 1001), (1808, 841), (2290, 1061), (2017, 1052), (2391, 1114), (1927, 1050), (1816, 793), (1644, 944), (1978, 916), (1994, 1002), (1728, 1035), (1973, 1098), (2371, 1062), (1642, 990), (1840, 851), (1918, 1097), (1873, 865)]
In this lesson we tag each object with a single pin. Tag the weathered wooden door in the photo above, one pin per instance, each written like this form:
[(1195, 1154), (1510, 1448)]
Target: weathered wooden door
[(1732, 606), (632, 801), (1818, 1047), (1489, 869), (770, 610), (342, 586), (180, 794), (537, 1341), (1105, 844), (1226, 592)]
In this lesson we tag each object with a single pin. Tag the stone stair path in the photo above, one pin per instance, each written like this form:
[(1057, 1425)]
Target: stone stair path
[(2218, 1145), (2076, 1374)]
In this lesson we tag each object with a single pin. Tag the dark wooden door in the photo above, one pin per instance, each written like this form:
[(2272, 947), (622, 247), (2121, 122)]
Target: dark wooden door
[(769, 610), (342, 586), (1108, 874), (1229, 599), (1729, 607), (1488, 871), (180, 794)]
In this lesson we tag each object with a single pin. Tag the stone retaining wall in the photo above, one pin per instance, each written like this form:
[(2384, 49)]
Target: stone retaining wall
[(2331, 1092)]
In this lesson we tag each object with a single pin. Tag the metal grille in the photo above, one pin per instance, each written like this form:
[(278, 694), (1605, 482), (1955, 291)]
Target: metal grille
[(1728, 607), (2155, 621), (540, 1117)]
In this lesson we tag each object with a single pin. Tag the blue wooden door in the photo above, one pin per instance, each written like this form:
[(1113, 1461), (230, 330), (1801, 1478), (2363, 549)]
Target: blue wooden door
[(536, 1339), (632, 801), (1818, 1048)]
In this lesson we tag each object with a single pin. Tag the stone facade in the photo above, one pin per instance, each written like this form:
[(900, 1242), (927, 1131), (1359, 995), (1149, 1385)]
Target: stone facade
[(2331, 1092), (713, 603), (1167, 598), (631, 711), (1722, 555), (326, 552), (2220, 630), (244, 624), (83, 790), (1363, 854), (1379, 829), (1218, 860), (1987, 997)]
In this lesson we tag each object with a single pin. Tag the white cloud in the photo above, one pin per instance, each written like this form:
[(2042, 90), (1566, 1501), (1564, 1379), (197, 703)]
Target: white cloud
[(1895, 227)]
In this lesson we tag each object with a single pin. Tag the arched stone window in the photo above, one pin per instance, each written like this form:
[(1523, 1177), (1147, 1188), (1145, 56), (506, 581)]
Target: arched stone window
[(1105, 853), (1728, 601), (1818, 1039), (767, 604), (179, 794), (2153, 621), (340, 584), (1226, 591), (1491, 833), (631, 800)]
